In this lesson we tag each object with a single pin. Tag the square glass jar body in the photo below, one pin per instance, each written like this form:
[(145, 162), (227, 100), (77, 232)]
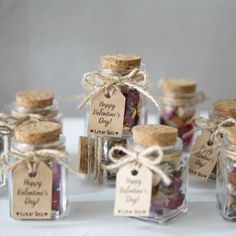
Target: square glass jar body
[(226, 182), (168, 202), (177, 111), (59, 178), (49, 112)]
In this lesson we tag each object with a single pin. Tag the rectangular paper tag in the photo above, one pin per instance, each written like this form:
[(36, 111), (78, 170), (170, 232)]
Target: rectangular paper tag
[(202, 164), (133, 191), (107, 114), (32, 196)]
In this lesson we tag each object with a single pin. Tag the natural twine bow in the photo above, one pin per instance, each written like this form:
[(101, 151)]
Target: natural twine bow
[(33, 158), (202, 123), (136, 79), (151, 158)]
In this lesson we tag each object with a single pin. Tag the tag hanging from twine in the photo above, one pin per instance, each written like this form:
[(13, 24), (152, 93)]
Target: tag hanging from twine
[(109, 86), (107, 114), (207, 146), (32, 194), (134, 179)]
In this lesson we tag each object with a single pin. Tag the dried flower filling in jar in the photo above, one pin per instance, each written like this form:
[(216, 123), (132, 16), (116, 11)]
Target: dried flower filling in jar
[(222, 110), (167, 202), (226, 177), (32, 137), (178, 106), (36, 102)]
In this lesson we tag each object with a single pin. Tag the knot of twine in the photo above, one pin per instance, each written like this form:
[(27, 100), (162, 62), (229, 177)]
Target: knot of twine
[(136, 79), (150, 157), (33, 158), (217, 130)]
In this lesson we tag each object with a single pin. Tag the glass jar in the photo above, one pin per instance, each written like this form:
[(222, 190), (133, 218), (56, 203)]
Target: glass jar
[(179, 106), (135, 112), (222, 110), (226, 178), (38, 102), (59, 172), (167, 202)]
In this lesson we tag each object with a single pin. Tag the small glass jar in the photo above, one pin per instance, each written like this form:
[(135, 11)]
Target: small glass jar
[(167, 202), (226, 177), (222, 110), (55, 141), (179, 106), (38, 102), (115, 66)]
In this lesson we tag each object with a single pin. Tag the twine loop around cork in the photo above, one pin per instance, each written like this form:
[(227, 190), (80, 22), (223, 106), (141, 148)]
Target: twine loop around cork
[(202, 123), (136, 79), (8, 122), (198, 98), (150, 157), (33, 158)]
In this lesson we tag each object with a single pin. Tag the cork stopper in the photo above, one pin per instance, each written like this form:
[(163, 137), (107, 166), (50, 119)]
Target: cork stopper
[(38, 132), (148, 135), (180, 86), (34, 98), (232, 134), (120, 62), (225, 108)]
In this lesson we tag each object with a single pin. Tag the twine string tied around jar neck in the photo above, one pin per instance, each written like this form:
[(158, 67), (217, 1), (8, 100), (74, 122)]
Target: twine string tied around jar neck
[(33, 158), (10, 121), (136, 79), (150, 157), (217, 130)]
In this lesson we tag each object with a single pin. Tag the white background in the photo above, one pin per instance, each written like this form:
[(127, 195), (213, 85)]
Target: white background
[(51, 43)]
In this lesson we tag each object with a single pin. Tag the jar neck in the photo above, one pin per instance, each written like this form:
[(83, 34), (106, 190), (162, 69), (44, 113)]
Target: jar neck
[(166, 149), (29, 110), (217, 119), (59, 144), (189, 96), (111, 72), (229, 147)]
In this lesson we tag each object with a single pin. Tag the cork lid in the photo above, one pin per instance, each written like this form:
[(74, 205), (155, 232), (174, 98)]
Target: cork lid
[(148, 135), (38, 132), (34, 98), (120, 62), (232, 134), (181, 85), (225, 108)]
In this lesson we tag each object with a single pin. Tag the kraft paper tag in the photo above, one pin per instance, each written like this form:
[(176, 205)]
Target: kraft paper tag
[(202, 164), (133, 191), (107, 114), (32, 196), (83, 155)]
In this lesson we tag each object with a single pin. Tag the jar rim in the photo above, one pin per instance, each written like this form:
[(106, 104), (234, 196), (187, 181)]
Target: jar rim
[(30, 147)]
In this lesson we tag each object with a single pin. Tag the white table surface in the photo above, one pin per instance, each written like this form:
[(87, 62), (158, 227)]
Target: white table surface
[(90, 209)]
